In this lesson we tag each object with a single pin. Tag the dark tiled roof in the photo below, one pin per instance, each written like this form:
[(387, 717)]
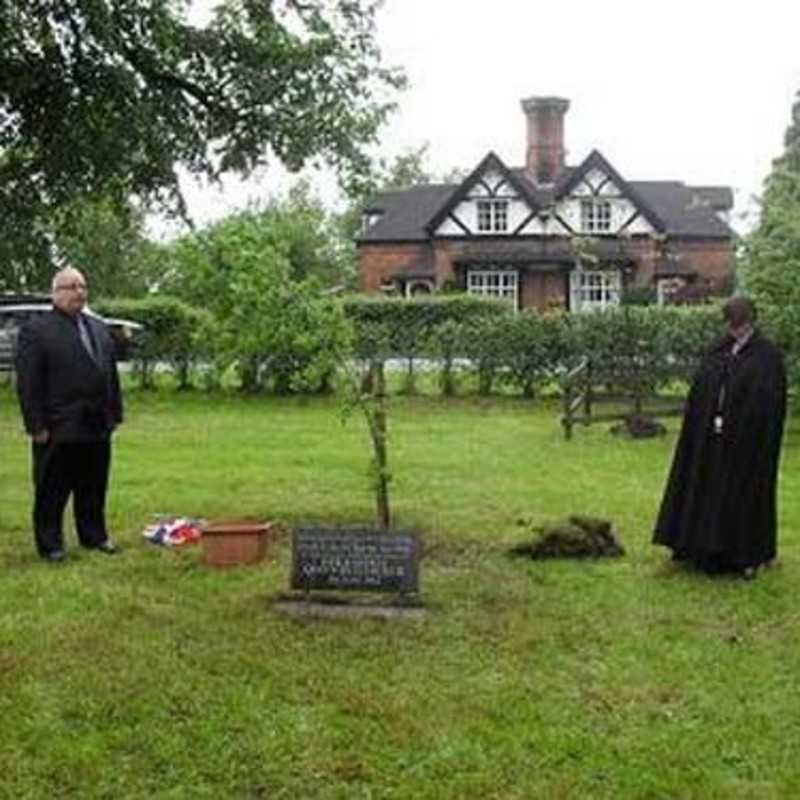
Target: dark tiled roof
[(720, 198), (678, 206), (405, 213), (683, 210)]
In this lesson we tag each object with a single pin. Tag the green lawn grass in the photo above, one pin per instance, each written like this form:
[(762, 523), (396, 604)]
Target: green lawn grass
[(148, 675)]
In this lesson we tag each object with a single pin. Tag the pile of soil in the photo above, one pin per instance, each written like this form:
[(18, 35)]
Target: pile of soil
[(578, 536)]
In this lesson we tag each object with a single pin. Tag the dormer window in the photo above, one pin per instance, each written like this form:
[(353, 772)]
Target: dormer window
[(368, 219), (492, 216), (595, 216)]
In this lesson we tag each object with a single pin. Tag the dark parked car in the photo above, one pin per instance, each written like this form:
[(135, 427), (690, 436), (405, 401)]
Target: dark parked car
[(17, 309)]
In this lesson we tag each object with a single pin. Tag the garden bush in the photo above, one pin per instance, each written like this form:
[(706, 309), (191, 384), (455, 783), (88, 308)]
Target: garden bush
[(174, 332)]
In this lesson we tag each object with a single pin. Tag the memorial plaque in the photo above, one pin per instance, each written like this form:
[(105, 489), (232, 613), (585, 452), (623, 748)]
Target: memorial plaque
[(354, 558)]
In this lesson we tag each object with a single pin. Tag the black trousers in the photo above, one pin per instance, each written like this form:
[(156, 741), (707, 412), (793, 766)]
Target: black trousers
[(64, 468)]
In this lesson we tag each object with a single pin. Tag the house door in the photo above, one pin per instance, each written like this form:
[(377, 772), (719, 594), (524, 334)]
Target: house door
[(543, 291)]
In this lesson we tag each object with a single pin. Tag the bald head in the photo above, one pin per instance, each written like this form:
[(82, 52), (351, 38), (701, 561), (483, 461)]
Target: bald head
[(68, 291)]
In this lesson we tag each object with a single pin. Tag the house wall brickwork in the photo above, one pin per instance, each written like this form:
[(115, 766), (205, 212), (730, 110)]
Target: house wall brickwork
[(544, 157), (443, 266), (712, 260), (378, 263)]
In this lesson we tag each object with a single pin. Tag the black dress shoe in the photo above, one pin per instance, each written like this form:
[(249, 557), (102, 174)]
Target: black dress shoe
[(108, 547), (55, 556)]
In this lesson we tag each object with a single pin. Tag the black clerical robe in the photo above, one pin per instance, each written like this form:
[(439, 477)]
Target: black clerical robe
[(719, 506)]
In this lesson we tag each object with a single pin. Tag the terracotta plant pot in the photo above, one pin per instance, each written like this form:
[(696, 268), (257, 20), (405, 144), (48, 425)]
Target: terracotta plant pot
[(228, 544)]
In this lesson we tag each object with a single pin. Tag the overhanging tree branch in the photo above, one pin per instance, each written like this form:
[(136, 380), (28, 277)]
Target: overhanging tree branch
[(120, 93)]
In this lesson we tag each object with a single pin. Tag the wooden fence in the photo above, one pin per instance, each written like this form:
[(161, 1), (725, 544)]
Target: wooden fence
[(620, 389)]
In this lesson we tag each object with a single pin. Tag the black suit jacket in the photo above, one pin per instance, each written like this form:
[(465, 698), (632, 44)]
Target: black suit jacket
[(61, 388)]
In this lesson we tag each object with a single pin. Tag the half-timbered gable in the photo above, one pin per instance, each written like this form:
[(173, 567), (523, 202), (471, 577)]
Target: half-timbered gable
[(490, 202), (597, 201), (548, 235)]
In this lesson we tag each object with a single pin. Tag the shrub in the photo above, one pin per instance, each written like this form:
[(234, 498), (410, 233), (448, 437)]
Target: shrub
[(174, 332), (409, 323)]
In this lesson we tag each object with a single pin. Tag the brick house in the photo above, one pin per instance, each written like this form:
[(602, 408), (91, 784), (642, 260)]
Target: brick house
[(548, 235)]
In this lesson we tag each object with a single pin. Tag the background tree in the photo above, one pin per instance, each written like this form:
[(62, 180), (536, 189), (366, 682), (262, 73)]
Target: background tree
[(108, 99), (296, 226), (404, 171), (107, 240), (111, 245), (771, 254), (258, 272)]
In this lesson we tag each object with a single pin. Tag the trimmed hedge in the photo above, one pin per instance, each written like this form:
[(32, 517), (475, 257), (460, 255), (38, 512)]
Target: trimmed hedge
[(461, 334), (527, 350), (421, 312), (174, 333)]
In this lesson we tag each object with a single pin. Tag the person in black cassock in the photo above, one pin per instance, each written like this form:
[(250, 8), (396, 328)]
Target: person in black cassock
[(719, 506), (69, 394)]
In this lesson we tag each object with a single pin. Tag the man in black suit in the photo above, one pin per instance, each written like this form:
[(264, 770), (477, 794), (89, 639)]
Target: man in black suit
[(68, 389)]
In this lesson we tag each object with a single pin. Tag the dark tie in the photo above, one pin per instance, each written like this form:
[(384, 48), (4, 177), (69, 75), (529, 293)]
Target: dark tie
[(86, 338)]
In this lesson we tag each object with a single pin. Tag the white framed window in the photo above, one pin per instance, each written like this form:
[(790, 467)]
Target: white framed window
[(492, 215), (498, 282), (594, 289), (595, 216)]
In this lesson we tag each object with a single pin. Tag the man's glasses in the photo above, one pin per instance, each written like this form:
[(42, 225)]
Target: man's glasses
[(71, 287)]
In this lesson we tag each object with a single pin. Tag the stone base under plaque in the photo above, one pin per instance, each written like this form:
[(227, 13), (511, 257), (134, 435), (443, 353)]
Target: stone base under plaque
[(229, 544), (322, 607)]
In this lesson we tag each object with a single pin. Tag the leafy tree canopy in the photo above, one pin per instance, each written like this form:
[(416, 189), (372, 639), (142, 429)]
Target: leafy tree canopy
[(107, 98), (107, 241), (772, 252), (258, 272), (295, 230)]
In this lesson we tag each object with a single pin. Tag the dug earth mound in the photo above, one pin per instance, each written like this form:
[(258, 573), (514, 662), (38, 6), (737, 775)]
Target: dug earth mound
[(577, 536)]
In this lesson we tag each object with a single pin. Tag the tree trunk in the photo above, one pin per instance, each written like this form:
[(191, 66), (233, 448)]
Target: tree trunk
[(248, 373), (379, 444), (182, 370), (146, 369), (446, 378), (410, 379), (485, 381)]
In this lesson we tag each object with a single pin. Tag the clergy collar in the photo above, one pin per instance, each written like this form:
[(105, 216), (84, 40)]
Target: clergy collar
[(739, 342)]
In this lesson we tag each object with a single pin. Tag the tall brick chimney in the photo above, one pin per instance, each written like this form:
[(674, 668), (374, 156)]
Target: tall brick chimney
[(545, 152)]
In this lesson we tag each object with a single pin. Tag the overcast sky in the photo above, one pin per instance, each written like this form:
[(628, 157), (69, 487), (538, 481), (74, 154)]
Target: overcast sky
[(691, 90)]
